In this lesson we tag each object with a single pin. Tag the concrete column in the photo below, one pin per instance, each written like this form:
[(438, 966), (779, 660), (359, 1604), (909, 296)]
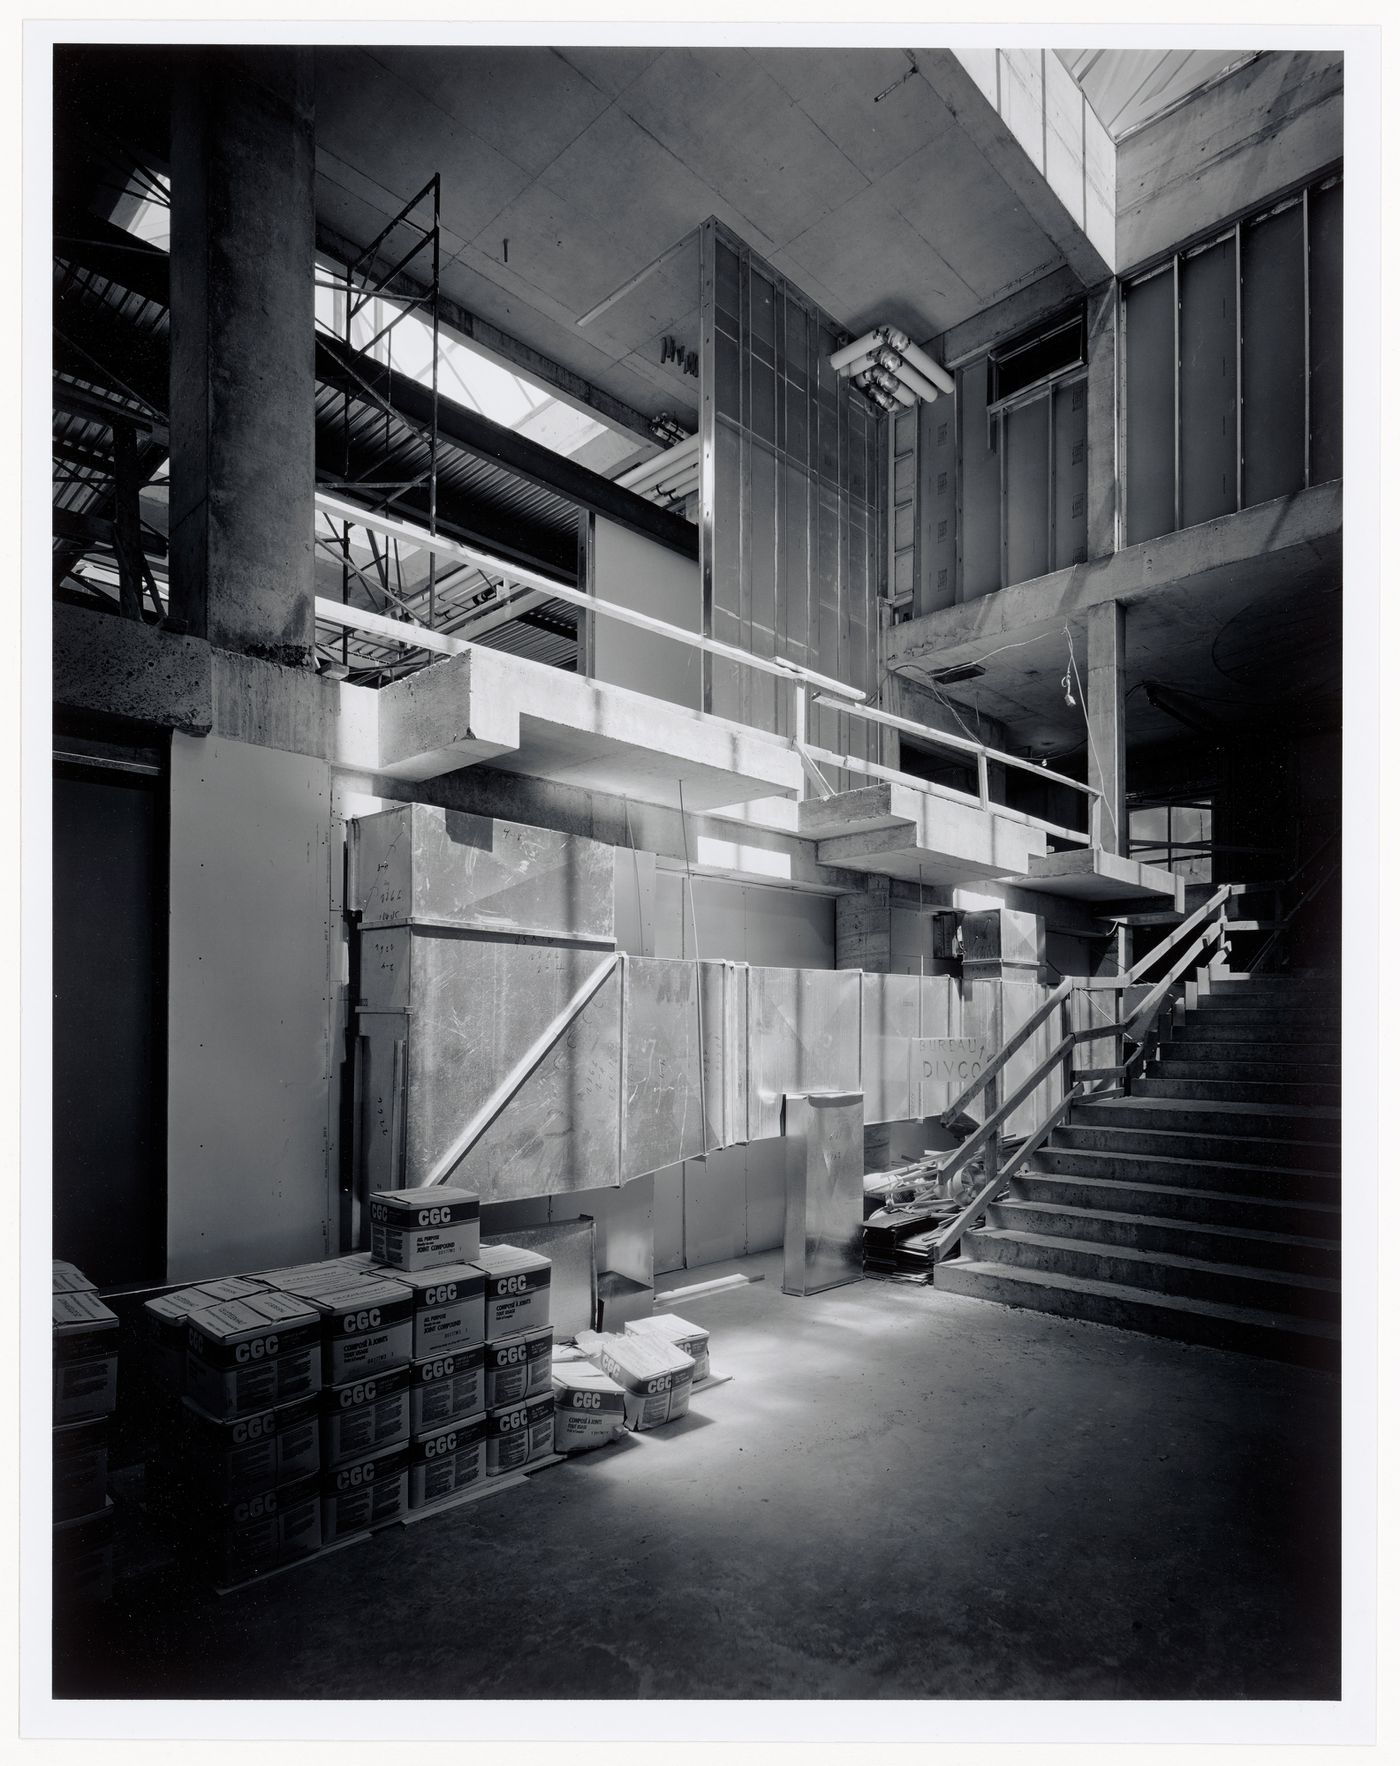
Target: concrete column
[(1002, 985), (242, 367), (864, 928), (1102, 429), (1105, 711)]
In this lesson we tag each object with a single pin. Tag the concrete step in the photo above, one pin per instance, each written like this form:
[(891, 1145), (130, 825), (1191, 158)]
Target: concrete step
[(1255, 1011), (1192, 1044), (1242, 1121), (1160, 1272), (1240, 1328), (1129, 1166), (1230, 1027), (1189, 1063), (1181, 1238), (1213, 1208), (1297, 1155), (1237, 1091)]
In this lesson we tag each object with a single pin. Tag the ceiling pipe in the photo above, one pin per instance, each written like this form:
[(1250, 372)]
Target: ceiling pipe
[(888, 383), (916, 382), (659, 464), (848, 353), (919, 359)]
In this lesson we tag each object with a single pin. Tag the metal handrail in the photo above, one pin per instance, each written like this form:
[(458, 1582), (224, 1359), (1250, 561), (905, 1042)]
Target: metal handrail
[(440, 546), (1133, 976), (1017, 1040)]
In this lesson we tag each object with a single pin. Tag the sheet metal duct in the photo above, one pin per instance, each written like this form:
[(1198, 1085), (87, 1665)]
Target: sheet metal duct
[(803, 1034), (417, 865), (824, 1190)]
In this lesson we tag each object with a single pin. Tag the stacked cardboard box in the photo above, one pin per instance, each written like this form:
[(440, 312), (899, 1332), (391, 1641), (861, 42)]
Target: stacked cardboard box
[(84, 1396), (519, 1344), (252, 1461)]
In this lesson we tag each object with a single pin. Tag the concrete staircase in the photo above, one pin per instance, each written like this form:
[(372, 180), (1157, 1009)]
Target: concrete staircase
[(1206, 1206)]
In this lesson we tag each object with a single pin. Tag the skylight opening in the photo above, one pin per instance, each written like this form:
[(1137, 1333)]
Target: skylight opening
[(465, 375)]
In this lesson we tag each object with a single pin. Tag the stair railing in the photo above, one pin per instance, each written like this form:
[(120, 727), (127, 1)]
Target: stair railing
[(1185, 945), (1282, 920)]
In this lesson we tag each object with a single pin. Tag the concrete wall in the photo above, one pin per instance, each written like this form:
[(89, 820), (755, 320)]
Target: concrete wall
[(250, 1007), (1272, 125)]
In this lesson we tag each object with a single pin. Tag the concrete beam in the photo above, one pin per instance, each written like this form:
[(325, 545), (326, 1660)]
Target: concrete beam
[(1271, 125), (123, 668), (242, 380), (529, 718), (1273, 541), (1008, 141), (898, 831)]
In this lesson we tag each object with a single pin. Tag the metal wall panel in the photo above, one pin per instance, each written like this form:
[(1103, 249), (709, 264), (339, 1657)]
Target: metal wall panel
[(1325, 332), (1209, 341), (1149, 312), (804, 1035), (1273, 341), (417, 864), (792, 536)]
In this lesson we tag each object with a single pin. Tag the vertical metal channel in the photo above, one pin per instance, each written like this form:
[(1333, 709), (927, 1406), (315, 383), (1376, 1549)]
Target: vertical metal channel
[(1239, 370), (707, 455), (1307, 338), (1176, 386)]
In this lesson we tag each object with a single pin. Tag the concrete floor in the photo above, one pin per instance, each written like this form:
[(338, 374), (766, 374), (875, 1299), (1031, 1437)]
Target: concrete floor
[(898, 1494)]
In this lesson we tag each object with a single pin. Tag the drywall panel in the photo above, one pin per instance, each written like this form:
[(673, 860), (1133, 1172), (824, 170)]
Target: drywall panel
[(1070, 478), (1325, 331), (668, 1218), (716, 1207), (1149, 317), (1273, 331), (635, 572), (1210, 451), (979, 487), (743, 922), (1026, 436), (249, 1022)]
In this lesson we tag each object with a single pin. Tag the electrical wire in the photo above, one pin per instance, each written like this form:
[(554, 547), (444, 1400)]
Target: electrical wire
[(1093, 747)]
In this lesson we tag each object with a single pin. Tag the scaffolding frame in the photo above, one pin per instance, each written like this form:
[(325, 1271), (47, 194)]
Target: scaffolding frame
[(412, 243)]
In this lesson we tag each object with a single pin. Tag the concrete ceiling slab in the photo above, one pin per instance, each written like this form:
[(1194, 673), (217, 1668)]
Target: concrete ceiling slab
[(913, 286), (840, 93), (937, 188), (592, 162), (702, 104), (371, 120), (527, 103), (611, 70)]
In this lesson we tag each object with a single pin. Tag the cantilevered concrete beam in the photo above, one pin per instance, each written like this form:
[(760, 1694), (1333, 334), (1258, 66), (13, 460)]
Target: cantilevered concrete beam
[(1028, 119), (1273, 545)]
